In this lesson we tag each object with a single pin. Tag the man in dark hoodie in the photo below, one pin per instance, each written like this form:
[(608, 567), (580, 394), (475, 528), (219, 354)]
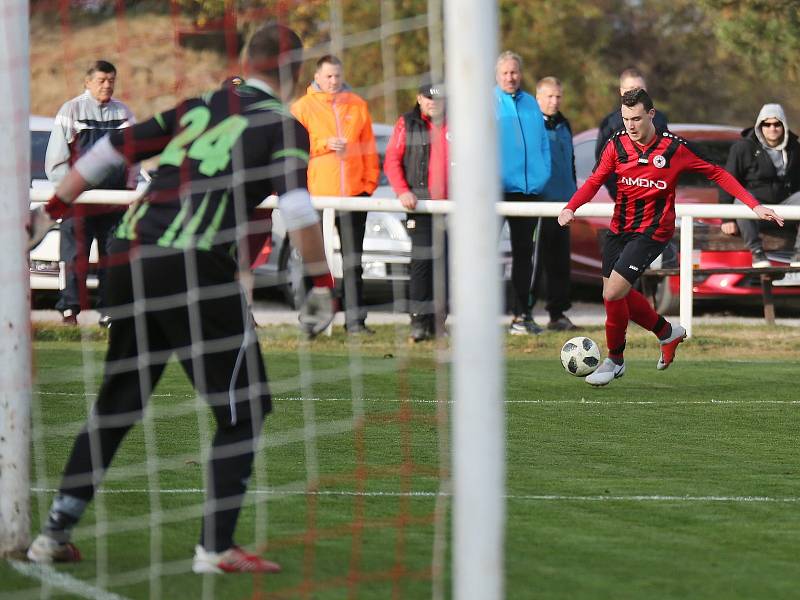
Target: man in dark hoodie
[(766, 161)]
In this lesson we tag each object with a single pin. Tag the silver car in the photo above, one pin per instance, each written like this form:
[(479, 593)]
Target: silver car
[(387, 246)]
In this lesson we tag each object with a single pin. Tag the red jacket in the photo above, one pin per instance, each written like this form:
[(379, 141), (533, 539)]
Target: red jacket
[(436, 153)]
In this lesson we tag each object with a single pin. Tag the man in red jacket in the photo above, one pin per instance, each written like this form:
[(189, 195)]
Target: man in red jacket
[(647, 163), (416, 165)]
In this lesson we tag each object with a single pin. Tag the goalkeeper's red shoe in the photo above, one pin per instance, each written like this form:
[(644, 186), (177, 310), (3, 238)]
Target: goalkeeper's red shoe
[(233, 560), (45, 549), (669, 345)]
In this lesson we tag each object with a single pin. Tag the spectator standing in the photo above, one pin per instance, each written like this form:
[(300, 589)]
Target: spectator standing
[(766, 161), (525, 169), (79, 124), (629, 79), (188, 299), (417, 167), (344, 162), (552, 249)]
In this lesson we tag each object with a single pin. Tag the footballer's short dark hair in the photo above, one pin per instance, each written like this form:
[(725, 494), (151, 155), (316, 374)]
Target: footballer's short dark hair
[(103, 66), (637, 96), (273, 47)]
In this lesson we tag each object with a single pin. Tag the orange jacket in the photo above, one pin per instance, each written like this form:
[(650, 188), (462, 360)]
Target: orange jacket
[(346, 115)]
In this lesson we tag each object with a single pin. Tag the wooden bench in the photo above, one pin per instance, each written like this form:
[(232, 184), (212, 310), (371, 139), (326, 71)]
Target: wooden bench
[(767, 275)]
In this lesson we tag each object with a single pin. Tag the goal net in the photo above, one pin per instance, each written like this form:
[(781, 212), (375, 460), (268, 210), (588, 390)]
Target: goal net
[(352, 481)]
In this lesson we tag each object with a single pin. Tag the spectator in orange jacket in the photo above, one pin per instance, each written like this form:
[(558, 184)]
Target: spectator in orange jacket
[(343, 162)]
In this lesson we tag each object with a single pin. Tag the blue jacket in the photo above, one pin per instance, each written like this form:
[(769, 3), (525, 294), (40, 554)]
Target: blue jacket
[(561, 184), (524, 145)]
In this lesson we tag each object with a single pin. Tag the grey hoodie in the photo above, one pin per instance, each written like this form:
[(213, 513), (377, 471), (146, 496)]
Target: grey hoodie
[(776, 153)]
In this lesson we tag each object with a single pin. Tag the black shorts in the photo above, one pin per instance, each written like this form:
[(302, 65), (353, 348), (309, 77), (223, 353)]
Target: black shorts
[(629, 254), (163, 302)]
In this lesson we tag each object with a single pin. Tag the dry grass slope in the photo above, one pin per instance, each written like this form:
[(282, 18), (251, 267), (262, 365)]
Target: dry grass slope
[(153, 71)]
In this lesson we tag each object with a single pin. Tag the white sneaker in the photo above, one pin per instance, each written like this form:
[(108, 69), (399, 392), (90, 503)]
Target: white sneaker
[(45, 549), (669, 346), (233, 560), (607, 372), (524, 326)]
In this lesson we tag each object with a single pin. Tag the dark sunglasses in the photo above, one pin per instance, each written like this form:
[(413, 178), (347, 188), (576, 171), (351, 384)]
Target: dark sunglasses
[(775, 124)]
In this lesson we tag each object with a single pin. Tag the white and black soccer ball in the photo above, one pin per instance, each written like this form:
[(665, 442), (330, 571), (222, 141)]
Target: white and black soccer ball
[(580, 356)]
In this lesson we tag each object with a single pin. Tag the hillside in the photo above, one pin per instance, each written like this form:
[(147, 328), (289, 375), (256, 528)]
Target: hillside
[(153, 71)]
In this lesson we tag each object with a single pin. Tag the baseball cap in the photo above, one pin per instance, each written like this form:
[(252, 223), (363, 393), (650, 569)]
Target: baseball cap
[(433, 90)]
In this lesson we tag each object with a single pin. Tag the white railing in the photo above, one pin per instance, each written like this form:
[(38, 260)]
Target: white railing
[(685, 215)]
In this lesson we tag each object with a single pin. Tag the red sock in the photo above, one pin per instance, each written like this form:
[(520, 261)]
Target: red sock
[(617, 316), (645, 316), (641, 312)]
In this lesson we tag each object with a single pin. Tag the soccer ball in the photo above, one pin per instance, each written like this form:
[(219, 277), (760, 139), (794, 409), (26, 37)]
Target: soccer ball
[(580, 356)]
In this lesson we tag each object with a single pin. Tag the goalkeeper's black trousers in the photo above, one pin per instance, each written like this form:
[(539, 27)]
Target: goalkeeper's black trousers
[(208, 325)]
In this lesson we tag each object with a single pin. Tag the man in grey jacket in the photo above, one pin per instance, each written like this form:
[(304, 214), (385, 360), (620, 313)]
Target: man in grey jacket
[(79, 124)]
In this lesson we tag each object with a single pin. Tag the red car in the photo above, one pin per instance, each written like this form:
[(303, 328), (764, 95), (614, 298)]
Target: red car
[(711, 247)]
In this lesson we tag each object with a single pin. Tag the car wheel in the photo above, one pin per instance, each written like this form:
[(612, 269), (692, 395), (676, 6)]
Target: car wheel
[(666, 301), (290, 264)]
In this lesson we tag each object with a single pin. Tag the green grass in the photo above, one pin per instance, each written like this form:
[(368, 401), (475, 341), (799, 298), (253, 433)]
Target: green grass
[(680, 484)]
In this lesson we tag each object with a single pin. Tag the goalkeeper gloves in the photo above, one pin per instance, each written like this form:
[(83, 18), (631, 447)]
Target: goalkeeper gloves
[(317, 310), (43, 218)]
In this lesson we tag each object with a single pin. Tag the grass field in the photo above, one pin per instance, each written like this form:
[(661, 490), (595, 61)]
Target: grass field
[(680, 484)]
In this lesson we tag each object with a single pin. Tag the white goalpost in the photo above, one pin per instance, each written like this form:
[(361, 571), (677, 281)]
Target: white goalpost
[(15, 341), (478, 453)]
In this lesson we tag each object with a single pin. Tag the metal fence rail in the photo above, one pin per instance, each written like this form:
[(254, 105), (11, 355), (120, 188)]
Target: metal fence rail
[(685, 216)]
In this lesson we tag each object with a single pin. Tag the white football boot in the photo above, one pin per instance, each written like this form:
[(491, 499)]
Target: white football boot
[(46, 550), (233, 560), (607, 372)]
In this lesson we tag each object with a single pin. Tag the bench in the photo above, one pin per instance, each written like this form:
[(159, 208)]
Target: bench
[(767, 275)]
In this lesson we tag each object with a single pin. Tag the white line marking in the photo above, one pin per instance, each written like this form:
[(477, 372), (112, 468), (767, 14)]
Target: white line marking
[(422, 494), (49, 576), (587, 401)]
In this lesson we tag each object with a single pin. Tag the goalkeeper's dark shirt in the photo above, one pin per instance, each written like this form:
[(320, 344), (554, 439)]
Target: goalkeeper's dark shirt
[(646, 181), (221, 155)]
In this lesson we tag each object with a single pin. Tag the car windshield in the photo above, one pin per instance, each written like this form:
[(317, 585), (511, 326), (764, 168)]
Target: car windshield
[(39, 141), (715, 151), (381, 141)]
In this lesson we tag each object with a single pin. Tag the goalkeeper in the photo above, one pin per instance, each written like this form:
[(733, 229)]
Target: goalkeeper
[(173, 289)]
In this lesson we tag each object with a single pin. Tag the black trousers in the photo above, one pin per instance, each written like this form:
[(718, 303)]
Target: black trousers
[(76, 236), (351, 227), (522, 230), (552, 278), (211, 331), (428, 264)]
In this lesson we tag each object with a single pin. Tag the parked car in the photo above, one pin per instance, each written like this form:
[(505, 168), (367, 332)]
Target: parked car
[(387, 246), (711, 247), (43, 261)]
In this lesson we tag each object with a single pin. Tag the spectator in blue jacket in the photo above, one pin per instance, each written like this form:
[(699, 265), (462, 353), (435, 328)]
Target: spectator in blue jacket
[(551, 258), (525, 168)]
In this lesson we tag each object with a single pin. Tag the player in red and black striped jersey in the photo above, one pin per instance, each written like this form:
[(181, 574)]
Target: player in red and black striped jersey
[(647, 163)]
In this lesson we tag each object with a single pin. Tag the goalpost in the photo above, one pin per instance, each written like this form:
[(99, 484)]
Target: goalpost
[(15, 342), (479, 412)]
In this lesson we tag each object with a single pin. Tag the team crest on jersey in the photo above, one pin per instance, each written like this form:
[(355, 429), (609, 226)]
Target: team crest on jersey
[(659, 161)]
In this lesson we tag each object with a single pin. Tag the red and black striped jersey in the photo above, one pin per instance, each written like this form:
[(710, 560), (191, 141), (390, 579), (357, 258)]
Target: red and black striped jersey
[(646, 181)]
